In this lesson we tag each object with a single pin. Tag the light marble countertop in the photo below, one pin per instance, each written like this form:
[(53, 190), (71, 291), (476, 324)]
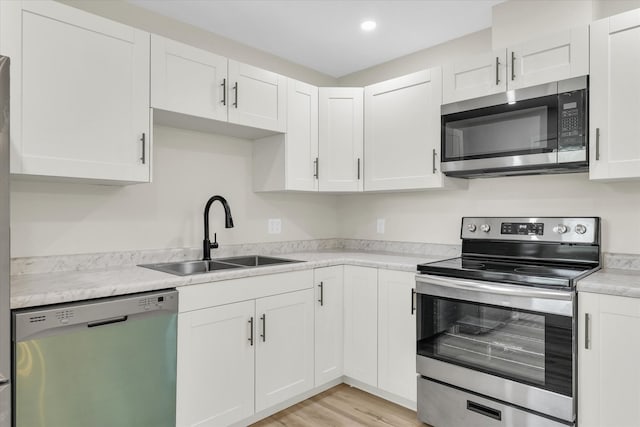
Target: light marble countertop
[(29, 290), (610, 281)]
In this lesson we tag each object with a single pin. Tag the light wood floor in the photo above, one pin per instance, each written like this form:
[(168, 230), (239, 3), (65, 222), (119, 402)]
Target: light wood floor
[(343, 406)]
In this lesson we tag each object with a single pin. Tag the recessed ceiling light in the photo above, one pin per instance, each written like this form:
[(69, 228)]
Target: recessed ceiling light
[(368, 25)]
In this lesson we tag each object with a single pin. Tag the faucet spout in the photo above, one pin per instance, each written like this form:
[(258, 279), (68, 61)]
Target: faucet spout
[(228, 223)]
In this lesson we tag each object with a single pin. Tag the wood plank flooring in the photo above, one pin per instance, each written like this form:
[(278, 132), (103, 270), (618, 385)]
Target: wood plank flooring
[(343, 406)]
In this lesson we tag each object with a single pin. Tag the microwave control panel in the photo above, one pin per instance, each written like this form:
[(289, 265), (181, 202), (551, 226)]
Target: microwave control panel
[(572, 120)]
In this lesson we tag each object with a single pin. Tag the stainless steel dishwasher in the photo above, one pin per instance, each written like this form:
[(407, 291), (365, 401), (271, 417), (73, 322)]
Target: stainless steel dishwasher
[(101, 363)]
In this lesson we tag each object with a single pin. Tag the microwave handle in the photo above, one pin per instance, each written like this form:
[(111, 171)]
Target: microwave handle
[(433, 160)]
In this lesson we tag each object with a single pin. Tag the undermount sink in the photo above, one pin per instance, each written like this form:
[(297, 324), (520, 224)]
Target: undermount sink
[(255, 260), (187, 268)]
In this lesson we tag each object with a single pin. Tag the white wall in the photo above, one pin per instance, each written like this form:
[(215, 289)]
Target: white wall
[(189, 167), (434, 216)]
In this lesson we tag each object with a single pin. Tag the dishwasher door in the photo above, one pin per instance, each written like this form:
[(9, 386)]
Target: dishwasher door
[(104, 363)]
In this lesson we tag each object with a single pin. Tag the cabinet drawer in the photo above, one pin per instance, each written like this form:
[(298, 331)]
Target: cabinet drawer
[(228, 291), (444, 406)]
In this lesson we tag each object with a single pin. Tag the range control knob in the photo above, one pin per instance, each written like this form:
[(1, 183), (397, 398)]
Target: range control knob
[(581, 229), (472, 228), (560, 228), (485, 228)]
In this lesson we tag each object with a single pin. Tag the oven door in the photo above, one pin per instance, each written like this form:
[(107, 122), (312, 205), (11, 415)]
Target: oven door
[(521, 134), (509, 342)]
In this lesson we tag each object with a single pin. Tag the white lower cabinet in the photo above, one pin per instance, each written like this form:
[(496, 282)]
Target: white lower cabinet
[(397, 334), (361, 324), (284, 348), (271, 339), (215, 379), (240, 358), (608, 355), (329, 309)]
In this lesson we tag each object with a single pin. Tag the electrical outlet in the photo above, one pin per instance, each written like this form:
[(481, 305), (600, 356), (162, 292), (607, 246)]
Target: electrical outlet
[(274, 225), (380, 225)]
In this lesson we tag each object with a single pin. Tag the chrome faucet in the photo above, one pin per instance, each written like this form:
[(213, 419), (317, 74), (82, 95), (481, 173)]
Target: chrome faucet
[(228, 223)]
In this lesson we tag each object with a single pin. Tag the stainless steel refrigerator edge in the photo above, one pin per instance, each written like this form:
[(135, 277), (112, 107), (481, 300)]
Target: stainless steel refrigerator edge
[(5, 291)]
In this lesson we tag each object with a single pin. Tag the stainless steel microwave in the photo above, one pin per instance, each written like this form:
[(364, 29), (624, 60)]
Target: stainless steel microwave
[(541, 129)]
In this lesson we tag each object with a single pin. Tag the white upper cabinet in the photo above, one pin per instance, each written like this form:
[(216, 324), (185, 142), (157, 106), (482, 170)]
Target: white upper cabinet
[(289, 161), (340, 125), (614, 105), (198, 83), (402, 133), (79, 93), (555, 57), (475, 76), (188, 80), (256, 97)]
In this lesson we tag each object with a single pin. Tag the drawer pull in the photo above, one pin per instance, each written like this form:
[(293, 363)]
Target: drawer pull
[(484, 410)]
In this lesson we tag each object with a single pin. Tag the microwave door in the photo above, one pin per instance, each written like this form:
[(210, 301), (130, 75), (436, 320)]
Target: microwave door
[(501, 136)]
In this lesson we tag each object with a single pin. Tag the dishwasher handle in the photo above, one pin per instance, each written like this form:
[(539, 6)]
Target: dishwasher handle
[(107, 321)]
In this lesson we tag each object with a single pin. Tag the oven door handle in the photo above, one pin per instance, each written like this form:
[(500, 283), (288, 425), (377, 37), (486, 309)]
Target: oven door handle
[(517, 296)]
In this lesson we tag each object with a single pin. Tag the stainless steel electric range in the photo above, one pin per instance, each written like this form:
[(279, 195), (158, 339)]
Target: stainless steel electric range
[(496, 327)]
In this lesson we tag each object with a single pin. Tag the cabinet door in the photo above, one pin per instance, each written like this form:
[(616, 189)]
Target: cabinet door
[(402, 132), (256, 97), (608, 374), (79, 93), (302, 136), (188, 80), (475, 76), (397, 333), (614, 105), (215, 379), (361, 324), (555, 57), (341, 139), (329, 328), (284, 352)]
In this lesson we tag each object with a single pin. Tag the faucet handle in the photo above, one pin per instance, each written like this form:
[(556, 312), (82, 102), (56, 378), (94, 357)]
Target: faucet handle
[(214, 245)]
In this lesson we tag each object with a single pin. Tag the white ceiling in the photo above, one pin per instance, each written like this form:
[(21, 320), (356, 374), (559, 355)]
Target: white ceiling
[(325, 35)]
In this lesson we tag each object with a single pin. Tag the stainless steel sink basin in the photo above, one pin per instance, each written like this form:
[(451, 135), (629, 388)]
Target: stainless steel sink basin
[(187, 268), (255, 260)]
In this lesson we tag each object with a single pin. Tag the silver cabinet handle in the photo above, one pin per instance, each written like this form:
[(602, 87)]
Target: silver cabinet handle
[(315, 165), (358, 168), (321, 300), (251, 331), (513, 65), (497, 70), (597, 143), (587, 337), (413, 301), (143, 157), (235, 91), (434, 170), (263, 335), (224, 91)]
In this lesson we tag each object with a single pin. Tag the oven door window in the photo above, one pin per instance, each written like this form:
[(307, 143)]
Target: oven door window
[(526, 127), (528, 347)]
